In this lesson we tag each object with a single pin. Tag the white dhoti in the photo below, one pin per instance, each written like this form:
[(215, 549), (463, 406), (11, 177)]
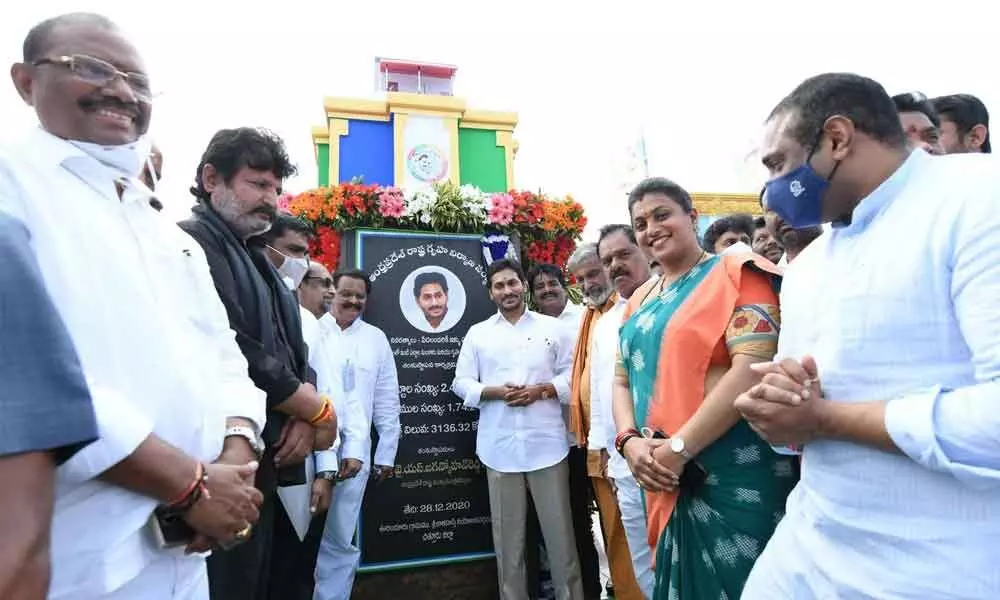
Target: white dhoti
[(634, 521), (339, 554), (169, 578)]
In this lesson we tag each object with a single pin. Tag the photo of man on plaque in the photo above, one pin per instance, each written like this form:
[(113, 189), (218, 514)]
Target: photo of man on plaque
[(432, 299)]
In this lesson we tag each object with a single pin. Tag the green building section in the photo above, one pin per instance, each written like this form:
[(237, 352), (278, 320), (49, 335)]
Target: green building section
[(323, 163), (481, 162)]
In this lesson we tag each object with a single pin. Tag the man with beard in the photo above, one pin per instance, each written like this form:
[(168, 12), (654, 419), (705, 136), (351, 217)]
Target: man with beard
[(513, 368), (587, 419), (628, 269), (363, 367), (237, 185), (965, 123), (169, 387)]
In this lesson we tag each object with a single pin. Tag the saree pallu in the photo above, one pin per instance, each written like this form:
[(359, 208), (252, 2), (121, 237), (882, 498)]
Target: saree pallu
[(707, 539)]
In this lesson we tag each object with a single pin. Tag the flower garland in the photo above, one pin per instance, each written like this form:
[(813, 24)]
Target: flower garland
[(548, 228)]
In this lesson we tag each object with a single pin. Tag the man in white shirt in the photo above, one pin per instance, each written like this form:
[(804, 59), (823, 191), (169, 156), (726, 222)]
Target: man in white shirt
[(513, 367), (430, 290), (136, 297), (627, 268), (359, 354), (890, 365)]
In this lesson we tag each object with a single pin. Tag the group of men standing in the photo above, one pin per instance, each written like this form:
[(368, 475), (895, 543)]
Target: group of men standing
[(220, 364)]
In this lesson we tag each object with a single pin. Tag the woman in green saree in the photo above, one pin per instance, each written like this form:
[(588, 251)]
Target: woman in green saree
[(714, 489)]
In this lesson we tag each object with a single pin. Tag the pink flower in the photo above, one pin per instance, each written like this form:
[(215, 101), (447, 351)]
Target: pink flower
[(284, 201), (500, 209), (391, 203)]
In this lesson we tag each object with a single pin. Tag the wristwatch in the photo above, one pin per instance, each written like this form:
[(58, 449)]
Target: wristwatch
[(677, 447), (250, 435), (330, 476)]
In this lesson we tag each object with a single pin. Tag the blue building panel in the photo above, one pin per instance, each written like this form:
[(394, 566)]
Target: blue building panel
[(367, 152)]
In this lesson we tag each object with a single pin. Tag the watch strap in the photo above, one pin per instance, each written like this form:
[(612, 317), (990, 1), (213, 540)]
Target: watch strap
[(250, 435)]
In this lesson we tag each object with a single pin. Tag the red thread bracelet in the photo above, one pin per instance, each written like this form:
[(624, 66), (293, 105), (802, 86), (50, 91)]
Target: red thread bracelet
[(193, 489)]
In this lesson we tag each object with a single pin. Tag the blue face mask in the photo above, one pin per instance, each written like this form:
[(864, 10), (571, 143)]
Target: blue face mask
[(797, 196)]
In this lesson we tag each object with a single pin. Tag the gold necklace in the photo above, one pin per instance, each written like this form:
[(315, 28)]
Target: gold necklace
[(680, 280)]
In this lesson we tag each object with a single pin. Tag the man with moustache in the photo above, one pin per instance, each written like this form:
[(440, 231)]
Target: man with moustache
[(513, 367), (765, 243), (794, 241), (169, 387), (548, 289), (587, 418), (361, 362), (628, 269), (430, 290), (237, 184)]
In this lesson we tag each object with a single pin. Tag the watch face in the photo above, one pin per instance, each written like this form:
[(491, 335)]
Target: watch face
[(677, 445)]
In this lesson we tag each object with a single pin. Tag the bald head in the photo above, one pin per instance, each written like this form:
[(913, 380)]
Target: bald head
[(37, 42)]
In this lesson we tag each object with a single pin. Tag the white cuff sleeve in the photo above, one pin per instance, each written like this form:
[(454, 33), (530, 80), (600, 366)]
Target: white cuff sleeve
[(122, 426)]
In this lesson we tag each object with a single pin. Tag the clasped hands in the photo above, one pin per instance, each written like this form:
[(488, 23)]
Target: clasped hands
[(787, 407), (520, 395), (299, 438), (229, 505), (654, 465)]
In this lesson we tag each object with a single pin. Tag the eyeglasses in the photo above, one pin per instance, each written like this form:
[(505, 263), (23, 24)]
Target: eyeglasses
[(324, 282), (97, 72)]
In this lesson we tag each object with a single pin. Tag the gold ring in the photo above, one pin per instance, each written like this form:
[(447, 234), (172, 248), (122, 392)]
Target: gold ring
[(244, 533)]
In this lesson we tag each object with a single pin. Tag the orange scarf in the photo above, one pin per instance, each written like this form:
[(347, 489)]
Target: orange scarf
[(685, 354), (579, 397)]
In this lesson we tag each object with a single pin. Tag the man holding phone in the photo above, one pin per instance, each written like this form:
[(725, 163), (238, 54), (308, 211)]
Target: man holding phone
[(161, 364)]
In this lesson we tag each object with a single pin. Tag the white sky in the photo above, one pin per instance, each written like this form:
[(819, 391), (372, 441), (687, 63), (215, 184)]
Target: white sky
[(698, 77)]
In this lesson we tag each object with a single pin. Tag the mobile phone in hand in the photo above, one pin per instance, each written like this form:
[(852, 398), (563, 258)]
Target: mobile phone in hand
[(169, 529)]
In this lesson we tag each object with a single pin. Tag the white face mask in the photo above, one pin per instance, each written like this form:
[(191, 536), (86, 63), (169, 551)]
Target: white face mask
[(125, 160), (294, 269)]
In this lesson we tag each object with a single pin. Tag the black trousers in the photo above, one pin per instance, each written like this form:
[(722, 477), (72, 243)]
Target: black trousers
[(582, 505), (243, 572)]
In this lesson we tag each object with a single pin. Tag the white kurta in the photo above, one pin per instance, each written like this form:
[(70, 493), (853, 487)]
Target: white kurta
[(900, 306), (603, 356), (363, 349), (154, 340)]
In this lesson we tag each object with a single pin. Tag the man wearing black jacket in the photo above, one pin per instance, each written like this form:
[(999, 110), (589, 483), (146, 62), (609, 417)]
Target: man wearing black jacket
[(237, 185)]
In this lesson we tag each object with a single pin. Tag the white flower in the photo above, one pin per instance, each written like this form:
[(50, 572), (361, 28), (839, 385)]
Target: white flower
[(474, 199), (418, 202)]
